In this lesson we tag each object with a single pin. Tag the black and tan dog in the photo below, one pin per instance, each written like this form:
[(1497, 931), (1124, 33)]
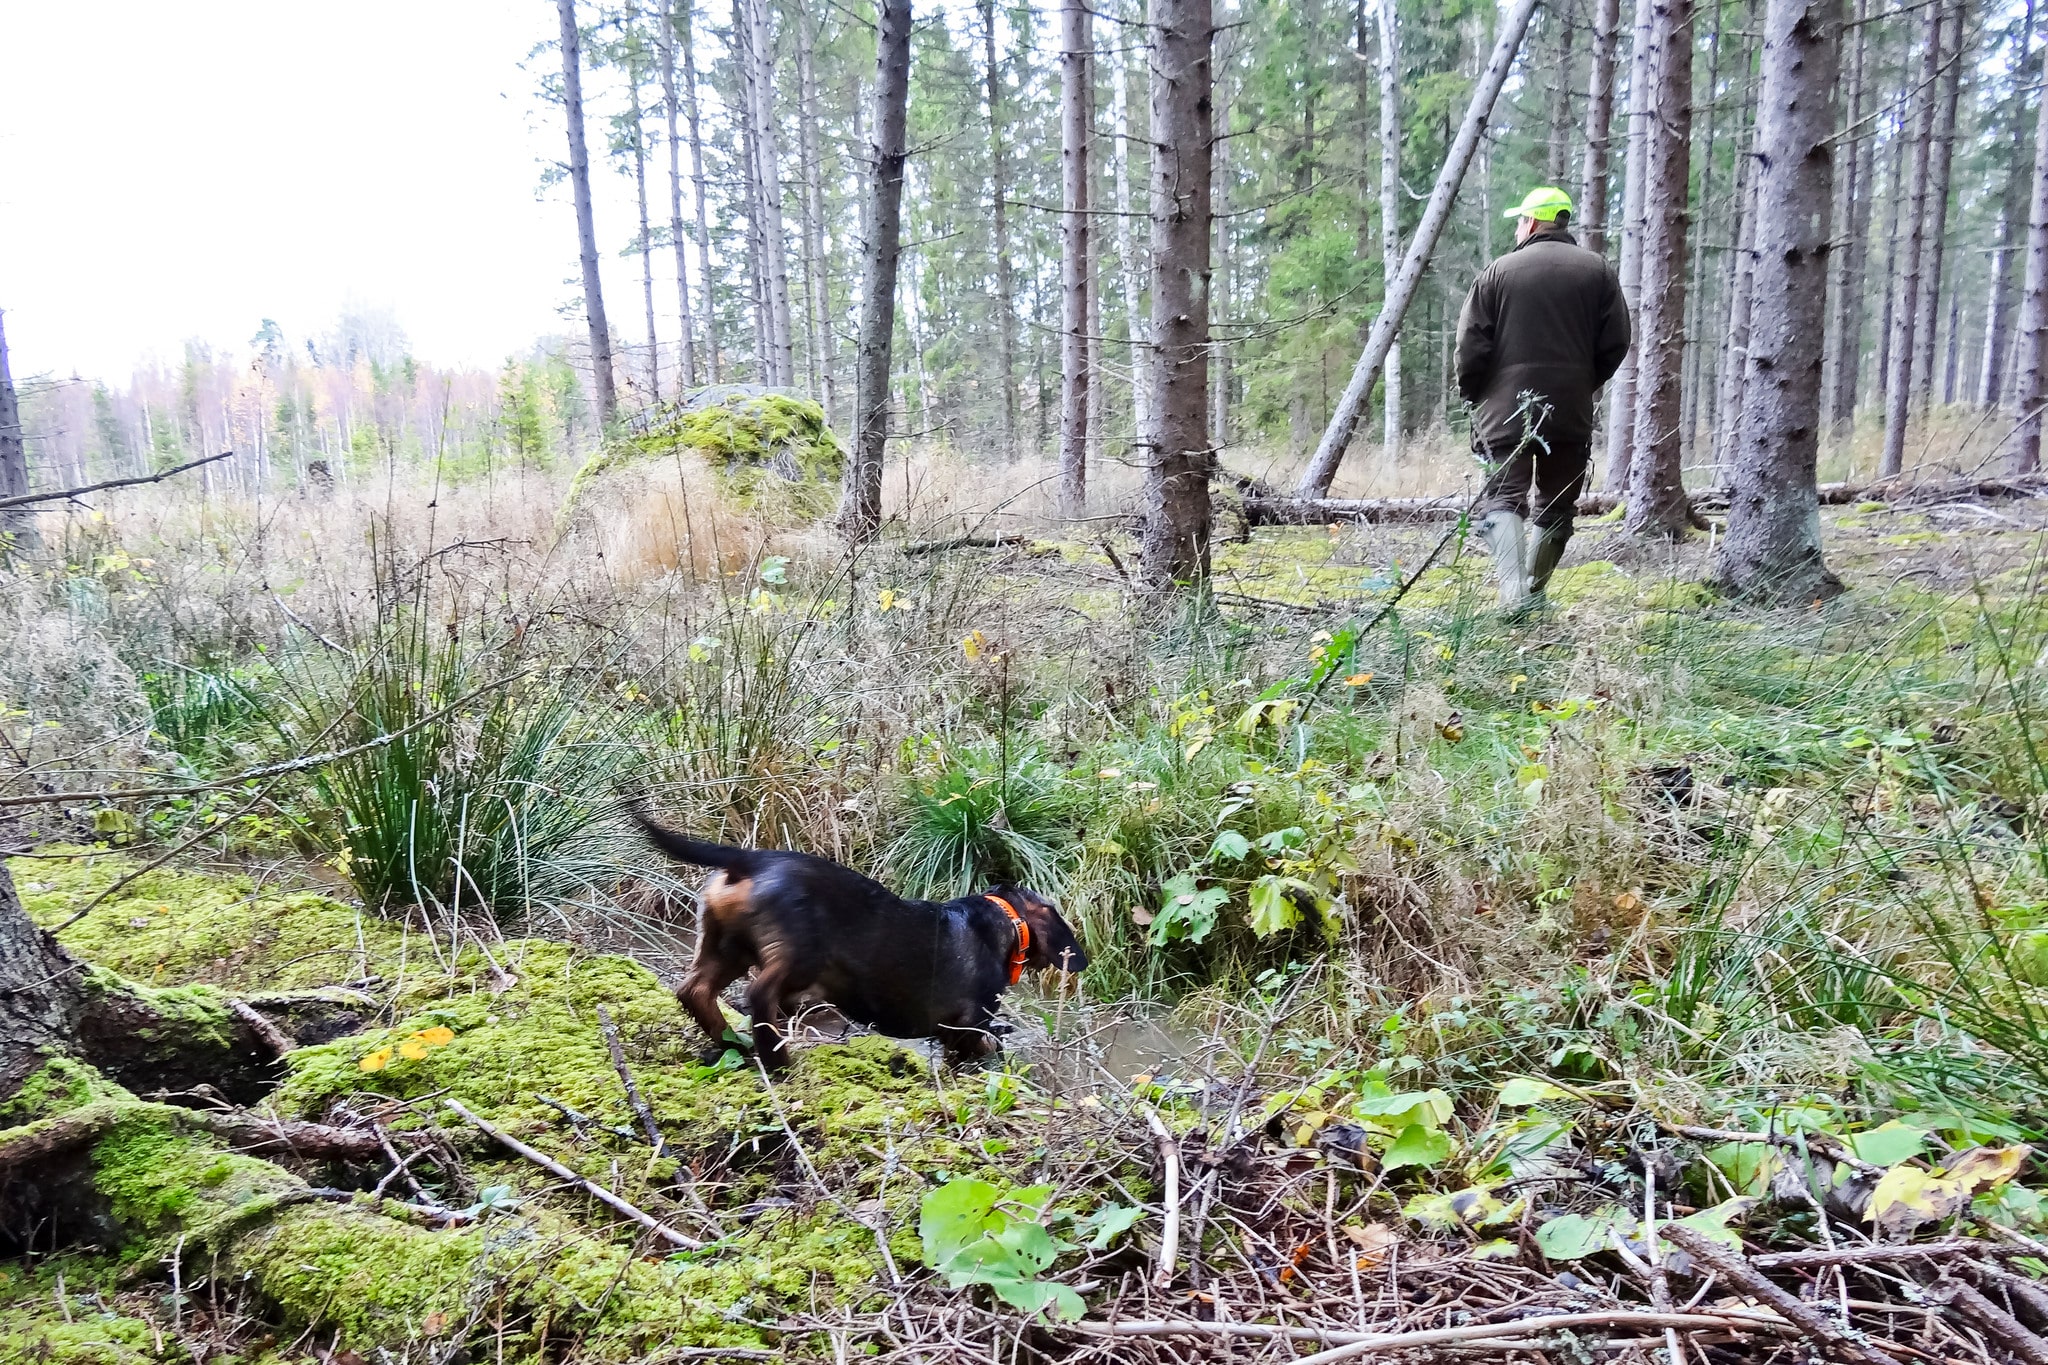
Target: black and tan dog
[(806, 925)]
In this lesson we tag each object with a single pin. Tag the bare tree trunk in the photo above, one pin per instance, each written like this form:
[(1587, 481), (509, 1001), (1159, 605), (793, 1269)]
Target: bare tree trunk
[(1845, 324), (1997, 311), (861, 507), (2030, 354), (1773, 549), (1130, 256), (1898, 381), (1592, 221), (768, 185), (1953, 359), (1621, 390), (999, 195), (1696, 348), (757, 237), (1734, 369), (636, 129), (586, 229), (17, 524), (1098, 383), (817, 275), (1657, 503), (672, 109), (1934, 235), (1558, 162), (1315, 482), (1177, 511), (1390, 208), (1894, 217), (1225, 279), (1075, 46), (698, 183)]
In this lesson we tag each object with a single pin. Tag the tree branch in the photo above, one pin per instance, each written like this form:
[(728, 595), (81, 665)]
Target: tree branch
[(24, 499)]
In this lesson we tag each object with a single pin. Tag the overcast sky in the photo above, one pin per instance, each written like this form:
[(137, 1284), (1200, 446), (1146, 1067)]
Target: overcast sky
[(187, 170)]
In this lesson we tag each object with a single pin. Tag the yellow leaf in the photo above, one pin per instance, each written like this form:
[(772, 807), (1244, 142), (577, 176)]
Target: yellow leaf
[(377, 1060), (972, 643), (1906, 1195), (886, 598), (1374, 1241), (440, 1035), (1358, 680), (1515, 683), (412, 1049), (1985, 1168)]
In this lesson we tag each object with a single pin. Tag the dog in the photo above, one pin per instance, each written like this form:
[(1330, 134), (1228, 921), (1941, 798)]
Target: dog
[(905, 968)]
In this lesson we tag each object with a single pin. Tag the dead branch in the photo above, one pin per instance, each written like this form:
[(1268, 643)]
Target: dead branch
[(618, 1051), (59, 495), (1995, 1322), (1506, 1335), (1169, 1237), (273, 1037), (590, 1187), (1736, 1269)]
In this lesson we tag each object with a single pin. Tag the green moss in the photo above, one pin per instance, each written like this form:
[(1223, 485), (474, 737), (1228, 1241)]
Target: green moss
[(84, 1323), (757, 442), (176, 928), (61, 1084), (163, 1184)]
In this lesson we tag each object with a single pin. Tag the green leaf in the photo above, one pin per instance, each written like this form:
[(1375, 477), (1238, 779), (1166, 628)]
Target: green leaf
[(775, 569), (1570, 1236), (1499, 1249), (1713, 1222), (1417, 1146), (1188, 912), (1272, 908), (1524, 1090), (1888, 1144), (1230, 846), (1393, 1112), (1034, 1297), (1749, 1166), (1108, 1223)]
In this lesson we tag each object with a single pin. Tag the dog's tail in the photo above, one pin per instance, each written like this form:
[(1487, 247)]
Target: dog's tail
[(696, 852)]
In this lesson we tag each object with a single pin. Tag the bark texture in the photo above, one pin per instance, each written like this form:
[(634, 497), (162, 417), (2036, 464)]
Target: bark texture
[(697, 183), (1772, 551), (1656, 501), (1390, 206), (759, 51), (1076, 49), (2030, 352), (861, 508), (586, 229), (672, 108), (1941, 148), (820, 348), (1621, 390), (999, 209), (1592, 219), (1177, 511), (636, 129), (1351, 406), (15, 522), (1855, 177), (1905, 308), (1132, 261)]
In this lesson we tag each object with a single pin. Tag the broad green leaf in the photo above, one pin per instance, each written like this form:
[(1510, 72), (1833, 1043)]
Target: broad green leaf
[(956, 1215), (1187, 912), (1499, 1249), (1393, 1112), (1570, 1236), (1229, 846), (1273, 909), (2013, 1206), (1417, 1146), (1108, 1223), (1034, 1297), (1888, 1144), (1713, 1222), (1523, 1090), (1474, 1207), (1749, 1166)]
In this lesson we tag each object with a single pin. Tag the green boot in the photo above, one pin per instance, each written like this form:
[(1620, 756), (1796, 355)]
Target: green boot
[(1506, 539), (1545, 550)]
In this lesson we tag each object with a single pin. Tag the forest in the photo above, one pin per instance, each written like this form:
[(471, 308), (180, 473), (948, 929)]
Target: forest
[(1037, 464)]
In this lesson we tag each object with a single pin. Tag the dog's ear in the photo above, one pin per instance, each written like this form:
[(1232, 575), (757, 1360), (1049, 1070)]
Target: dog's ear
[(1053, 943)]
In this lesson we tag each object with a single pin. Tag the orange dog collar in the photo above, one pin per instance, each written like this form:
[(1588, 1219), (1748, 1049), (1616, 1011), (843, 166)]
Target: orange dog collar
[(1023, 936)]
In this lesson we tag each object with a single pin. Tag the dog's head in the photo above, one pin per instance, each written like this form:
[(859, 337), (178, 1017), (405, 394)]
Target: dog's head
[(1052, 943)]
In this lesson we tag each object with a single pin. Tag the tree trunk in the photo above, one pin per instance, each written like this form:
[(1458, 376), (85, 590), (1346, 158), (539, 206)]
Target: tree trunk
[(999, 207), (817, 277), (1732, 380), (760, 51), (1390, 209), (636, 129), (1177, 512), (17, 524), (1845, 324), (1695, 297), (1132, 263), (1592, 220), (586, 229), (1898, 381), (1557, 163), (1772, 550), (1656, 503), (1098, 383), (1224, 279), (1934, 235), (671, 104), (1344, 421), (698, 184), (861, 508), (1621, 390), (1894, 216), (1075, 45), (1997, 310), (2030, 353)]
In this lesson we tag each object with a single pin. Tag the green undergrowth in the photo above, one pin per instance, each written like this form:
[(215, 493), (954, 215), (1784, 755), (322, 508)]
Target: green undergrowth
[(171, 927)]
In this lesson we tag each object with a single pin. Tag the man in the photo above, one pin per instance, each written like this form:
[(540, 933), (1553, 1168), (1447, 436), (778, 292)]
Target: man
[(1543, 328)]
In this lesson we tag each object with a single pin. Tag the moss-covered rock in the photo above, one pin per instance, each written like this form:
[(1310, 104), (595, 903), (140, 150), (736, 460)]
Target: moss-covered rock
[(763, 444), (171, 928)]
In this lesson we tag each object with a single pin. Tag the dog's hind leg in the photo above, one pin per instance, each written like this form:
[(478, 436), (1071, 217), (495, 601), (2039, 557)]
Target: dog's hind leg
[(776, 983), (720, 961)]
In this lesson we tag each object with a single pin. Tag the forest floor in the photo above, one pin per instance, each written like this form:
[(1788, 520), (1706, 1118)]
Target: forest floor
[(1654, 978)]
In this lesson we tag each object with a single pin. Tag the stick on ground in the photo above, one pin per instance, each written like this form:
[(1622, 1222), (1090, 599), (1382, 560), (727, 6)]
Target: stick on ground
[(618, 1051), (1169, 1238), (1736, 1270)]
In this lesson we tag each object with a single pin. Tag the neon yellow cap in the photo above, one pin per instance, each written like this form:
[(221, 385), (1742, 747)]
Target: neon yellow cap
[(1542, 204)]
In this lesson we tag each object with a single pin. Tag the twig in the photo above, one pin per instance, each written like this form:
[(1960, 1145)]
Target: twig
[(1995, 1321), (1351, 1345), (618, 1051), (1736, 1269), (996, 542), (24, 499), (270, 770), (1169, 1238), (274, 1038), (590, 1187), (1857, 1255), (1831, 1150)]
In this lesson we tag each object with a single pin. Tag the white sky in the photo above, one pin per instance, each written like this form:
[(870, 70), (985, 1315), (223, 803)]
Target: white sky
[(187, 170)]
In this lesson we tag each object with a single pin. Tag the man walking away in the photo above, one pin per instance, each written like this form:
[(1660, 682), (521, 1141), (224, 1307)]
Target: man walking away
[(1543, 328)]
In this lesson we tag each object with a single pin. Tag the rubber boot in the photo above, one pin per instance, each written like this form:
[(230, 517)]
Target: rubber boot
[(1504, 533), (1546, 548)]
